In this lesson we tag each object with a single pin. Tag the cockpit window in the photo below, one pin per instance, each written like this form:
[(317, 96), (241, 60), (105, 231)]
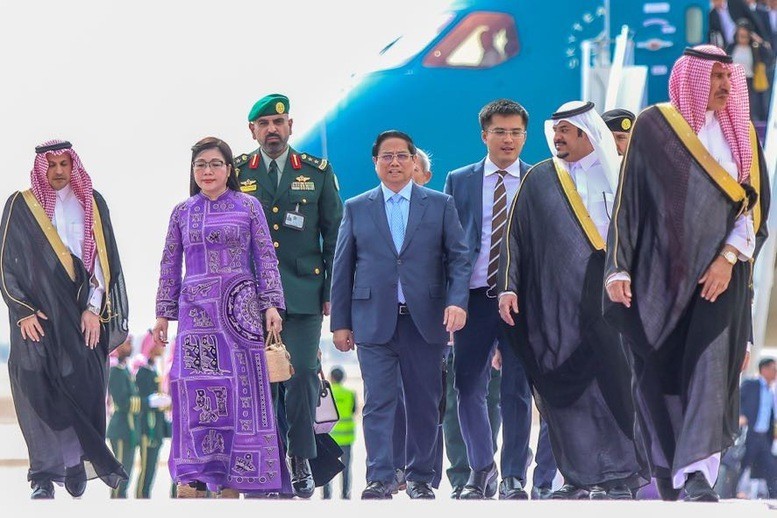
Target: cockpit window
[(406, 46), (479, 40)]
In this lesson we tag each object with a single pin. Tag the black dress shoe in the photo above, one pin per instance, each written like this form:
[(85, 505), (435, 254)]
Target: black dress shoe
[(377, 491), (597, 493), (42, 490), (666, 490), (620, 492), (399, 483), (456, 493), (75, 480), (481, 484), (420, 490), (541, 493), (511, 489), (301, 477), (569, 492), (697, 489)]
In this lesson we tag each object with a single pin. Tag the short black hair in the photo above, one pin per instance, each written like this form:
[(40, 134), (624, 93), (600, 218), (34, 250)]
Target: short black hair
[(392, 134), (765, 362), (226, 153), (501, 107), (337, 374)]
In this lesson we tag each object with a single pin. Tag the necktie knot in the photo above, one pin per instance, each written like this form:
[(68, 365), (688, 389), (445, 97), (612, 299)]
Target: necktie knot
[(501, 173)]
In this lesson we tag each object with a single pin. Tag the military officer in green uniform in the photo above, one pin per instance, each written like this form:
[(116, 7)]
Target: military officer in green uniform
[(153, 404), (122, 429), (299, 193)]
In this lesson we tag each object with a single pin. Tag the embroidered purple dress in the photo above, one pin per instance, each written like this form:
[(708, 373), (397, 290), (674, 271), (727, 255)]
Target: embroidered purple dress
[(224, 427)]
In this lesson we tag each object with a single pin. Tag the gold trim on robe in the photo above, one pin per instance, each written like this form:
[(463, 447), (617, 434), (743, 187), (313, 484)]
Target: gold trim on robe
[(47, 226), (578, 207)]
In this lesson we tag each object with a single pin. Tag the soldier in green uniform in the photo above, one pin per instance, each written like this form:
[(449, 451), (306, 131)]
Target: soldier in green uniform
[(125, 405), (153, 404), (299, 193)]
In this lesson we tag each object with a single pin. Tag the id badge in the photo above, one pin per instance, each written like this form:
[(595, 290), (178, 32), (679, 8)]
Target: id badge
[(294, 220)]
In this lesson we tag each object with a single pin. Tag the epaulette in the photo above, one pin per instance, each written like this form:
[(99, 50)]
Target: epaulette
[(241, 160), (318, 163)]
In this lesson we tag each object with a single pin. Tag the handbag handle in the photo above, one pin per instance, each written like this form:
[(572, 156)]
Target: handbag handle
[(273, 339)]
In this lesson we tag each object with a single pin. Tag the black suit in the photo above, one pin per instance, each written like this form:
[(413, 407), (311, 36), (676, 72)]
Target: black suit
[(758, 445)]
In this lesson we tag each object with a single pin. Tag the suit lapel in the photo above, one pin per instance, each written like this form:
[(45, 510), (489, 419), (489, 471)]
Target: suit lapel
[(475, 188), (378, 211), (417, 207)]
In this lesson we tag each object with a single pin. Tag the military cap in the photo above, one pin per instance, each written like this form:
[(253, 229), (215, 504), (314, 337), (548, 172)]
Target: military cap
[(619, 119), (272, 104)]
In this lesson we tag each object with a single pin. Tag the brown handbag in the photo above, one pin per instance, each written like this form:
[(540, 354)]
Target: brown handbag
[(277, 358)]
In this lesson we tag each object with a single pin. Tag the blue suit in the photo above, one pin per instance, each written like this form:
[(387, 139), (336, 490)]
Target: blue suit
[(473, 349), (758, 445), (434, 270)]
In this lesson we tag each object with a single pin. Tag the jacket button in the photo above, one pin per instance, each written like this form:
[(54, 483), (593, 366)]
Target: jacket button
[(275, 210), (317, 271), (399, 261), (276, 244), (276, 226)]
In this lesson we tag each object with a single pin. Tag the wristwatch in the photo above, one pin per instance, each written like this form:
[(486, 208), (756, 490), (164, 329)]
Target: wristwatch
[(729, 256), (93, 309)]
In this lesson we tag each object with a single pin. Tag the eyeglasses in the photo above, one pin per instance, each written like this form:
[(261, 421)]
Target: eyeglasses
[(499, 132), (201, 165), (387, 158)]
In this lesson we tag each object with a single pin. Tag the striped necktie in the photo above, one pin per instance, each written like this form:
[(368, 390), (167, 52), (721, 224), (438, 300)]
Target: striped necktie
[(498, 221)]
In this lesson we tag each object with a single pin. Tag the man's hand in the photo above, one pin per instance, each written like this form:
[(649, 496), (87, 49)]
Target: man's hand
[(620, 292), (326, 308), (508, 304), (716, 279), (160, 331), (455, 318), (90, 327), (31, 328), (272, 320), (343, 339), (496, 361)]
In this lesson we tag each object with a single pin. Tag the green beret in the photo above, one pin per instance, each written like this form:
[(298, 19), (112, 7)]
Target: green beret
[(272, 104)]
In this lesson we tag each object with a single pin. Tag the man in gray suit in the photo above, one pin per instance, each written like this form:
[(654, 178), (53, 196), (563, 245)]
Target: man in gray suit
[(399, 287)]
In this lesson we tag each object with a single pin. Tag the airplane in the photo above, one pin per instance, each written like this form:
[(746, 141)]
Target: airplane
[(432, 83)]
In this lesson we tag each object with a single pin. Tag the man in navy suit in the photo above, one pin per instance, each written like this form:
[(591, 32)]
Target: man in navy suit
[(399, 287), (482, 192), (757, 412)]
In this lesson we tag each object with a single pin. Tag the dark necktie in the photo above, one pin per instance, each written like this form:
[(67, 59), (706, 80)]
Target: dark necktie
[(498, 222), (274, 174)]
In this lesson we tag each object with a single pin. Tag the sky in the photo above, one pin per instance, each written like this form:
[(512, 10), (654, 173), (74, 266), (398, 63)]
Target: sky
[(134, 84)]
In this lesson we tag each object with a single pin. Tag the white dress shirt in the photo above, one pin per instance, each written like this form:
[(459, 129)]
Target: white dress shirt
[(593, 187), (69, 221), (512, 180)]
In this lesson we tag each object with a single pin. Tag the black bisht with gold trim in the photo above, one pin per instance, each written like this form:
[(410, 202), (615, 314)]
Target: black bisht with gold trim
[(674, 210), (552, 257), (58, 384)]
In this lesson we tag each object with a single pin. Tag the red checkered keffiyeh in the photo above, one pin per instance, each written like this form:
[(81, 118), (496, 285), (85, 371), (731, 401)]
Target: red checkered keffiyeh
[(82, 188), (689, 91)]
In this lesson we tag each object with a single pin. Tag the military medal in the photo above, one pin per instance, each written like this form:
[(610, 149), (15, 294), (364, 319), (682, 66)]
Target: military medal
[(302, 183)]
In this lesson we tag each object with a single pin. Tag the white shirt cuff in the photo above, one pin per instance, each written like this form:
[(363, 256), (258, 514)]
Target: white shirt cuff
[(618, 276), (742, 237), (507, 293)]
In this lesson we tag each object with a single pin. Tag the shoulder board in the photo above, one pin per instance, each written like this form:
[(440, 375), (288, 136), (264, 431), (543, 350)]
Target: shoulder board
[(318, 163), (241, 160)]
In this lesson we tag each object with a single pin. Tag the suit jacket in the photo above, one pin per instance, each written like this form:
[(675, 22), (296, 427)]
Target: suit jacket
[(750, 400), (432, 266), (466, 186)]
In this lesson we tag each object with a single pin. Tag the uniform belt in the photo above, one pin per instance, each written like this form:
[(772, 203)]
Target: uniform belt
[(403, 309)]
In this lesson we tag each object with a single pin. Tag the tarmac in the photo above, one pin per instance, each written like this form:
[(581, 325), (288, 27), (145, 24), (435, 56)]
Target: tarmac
[(15, 492)]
